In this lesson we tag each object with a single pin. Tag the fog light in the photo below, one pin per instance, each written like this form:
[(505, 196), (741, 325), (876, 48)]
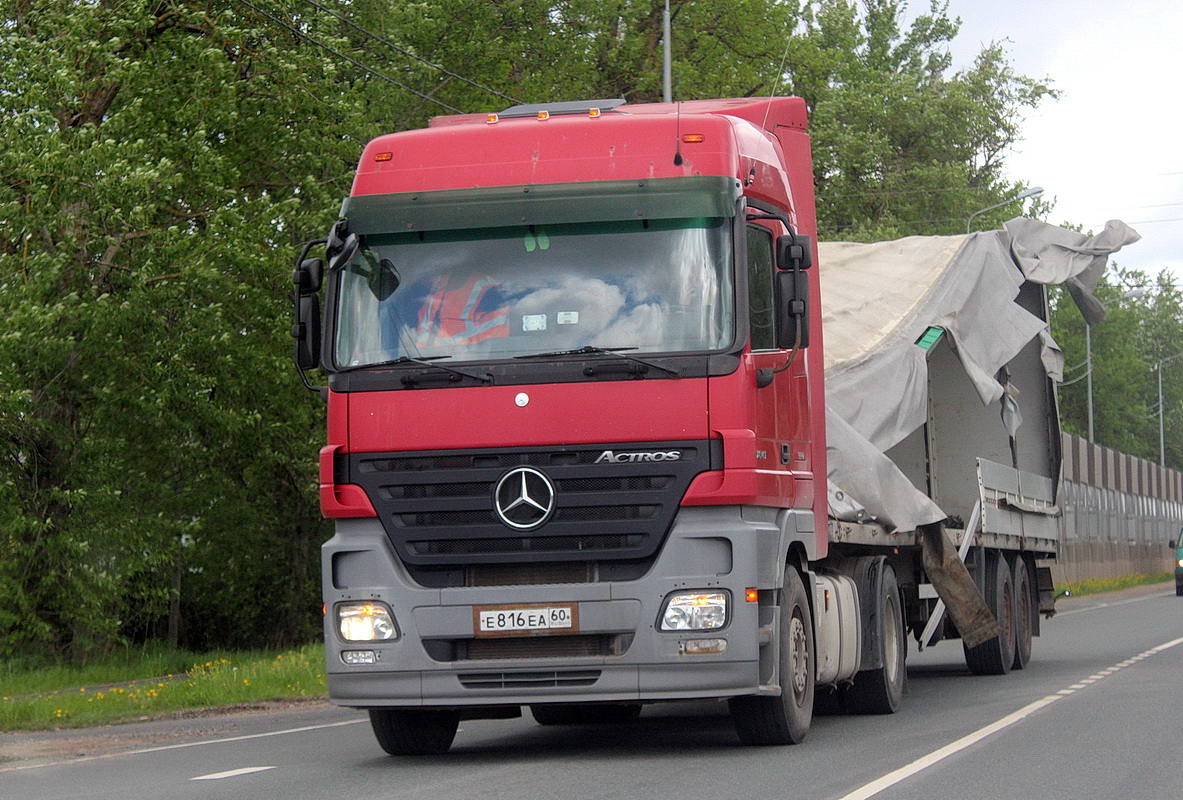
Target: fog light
[(695, 647), (366, 622), (694, 611), (355, 657)]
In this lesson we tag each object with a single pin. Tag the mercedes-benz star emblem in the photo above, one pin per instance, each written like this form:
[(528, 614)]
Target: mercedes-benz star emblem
[(524, 498)]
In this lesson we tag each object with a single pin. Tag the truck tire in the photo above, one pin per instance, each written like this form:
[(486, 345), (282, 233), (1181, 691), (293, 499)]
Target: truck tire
[(415, 732), (785, 719), (996, 656), (1024, 613), (880, 691), (573, 714)]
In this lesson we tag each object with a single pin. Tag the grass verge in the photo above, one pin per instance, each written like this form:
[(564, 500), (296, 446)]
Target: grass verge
[(1100, 585), (67, 697)]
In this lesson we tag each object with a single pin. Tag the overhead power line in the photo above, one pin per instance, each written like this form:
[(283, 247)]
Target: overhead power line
[(404, 51), (351, 60)]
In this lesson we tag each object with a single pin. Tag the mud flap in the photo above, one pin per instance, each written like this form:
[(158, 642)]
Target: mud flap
[(963, 600)]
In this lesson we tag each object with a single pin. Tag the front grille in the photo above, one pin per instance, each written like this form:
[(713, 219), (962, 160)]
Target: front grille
[(439, 508), (558, 679), (538, 544)]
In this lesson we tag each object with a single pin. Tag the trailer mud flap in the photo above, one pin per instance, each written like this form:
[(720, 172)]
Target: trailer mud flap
[(867, 573), (963, 600)]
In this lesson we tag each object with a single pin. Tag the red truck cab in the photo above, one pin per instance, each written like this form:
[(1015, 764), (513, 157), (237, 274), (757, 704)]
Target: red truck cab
[(575, 411)]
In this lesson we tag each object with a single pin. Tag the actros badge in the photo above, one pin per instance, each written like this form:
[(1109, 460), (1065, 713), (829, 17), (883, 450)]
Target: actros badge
[(524, 498)]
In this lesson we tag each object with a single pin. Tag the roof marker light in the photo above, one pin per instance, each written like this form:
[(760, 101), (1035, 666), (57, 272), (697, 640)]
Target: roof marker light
[(492, 119), (543, 115), (593, 112), (383, 156), (694, 138)]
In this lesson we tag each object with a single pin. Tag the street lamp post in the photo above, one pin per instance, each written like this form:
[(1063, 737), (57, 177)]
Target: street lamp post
[(1032, 192), (1162, 442)]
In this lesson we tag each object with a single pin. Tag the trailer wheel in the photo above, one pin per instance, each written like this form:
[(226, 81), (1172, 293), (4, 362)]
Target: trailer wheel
[(1024, 612), (415, 732), (996, 656), (880, 691), (765, 720)]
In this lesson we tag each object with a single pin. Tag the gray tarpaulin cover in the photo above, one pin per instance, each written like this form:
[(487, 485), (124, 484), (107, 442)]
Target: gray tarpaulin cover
[(878, 299)]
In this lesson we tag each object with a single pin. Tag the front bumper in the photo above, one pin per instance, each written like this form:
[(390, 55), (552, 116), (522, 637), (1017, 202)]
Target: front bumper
[(438, 661)]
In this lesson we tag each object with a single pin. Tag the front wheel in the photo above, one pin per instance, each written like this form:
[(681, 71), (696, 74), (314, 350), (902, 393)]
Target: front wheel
[(766, 720), (414, 732)]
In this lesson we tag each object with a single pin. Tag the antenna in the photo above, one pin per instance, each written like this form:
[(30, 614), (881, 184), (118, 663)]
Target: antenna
[(678, 135), (775, 86), (667, 93)]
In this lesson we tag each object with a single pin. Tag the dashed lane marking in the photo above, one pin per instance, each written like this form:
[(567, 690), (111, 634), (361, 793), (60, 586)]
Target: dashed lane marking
[(919, 765), (233, 773)]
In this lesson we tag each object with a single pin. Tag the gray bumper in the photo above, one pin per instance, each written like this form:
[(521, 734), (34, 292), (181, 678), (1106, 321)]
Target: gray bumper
[(713, 548)]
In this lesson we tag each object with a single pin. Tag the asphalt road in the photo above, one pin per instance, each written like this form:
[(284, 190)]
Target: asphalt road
[(1095, 715)]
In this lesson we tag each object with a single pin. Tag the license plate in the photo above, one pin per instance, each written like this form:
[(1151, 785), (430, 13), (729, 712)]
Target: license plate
[(532, 619)]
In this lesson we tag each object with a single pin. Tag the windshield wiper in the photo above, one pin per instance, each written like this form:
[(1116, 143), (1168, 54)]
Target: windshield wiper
[(411, 378), (590, 350)]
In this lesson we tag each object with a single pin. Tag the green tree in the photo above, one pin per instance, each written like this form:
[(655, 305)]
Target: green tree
[(903, 145), (1143, 326), (162, 161)]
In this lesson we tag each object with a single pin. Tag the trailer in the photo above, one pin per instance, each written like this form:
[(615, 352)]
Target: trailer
[(607, 428)]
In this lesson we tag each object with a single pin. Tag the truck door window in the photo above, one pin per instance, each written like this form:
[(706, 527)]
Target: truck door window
[(760, 288)]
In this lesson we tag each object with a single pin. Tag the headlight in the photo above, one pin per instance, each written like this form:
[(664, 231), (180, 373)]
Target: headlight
[(694, 611), (366, 622), (1179, 562)]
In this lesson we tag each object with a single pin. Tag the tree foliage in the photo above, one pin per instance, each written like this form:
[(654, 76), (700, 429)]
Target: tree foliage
[(1136, 344), (163, 161), (902, 144)]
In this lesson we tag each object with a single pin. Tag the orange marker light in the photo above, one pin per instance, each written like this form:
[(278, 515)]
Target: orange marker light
[(492, 119), (694, 138), (593, 112), (543, 115), (383, 156), (751, 594)]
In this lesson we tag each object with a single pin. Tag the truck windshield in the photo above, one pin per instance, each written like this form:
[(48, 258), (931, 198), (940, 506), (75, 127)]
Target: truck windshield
[(656, 286)]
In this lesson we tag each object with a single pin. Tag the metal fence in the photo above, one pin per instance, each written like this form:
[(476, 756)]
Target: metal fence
[(1119, 513)]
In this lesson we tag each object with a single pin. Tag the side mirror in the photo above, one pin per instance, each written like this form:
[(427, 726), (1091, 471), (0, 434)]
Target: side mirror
[(794, 255), (306, 332), (307, 279), (308, 276), (384, 280), (794, 251), (790, 292)]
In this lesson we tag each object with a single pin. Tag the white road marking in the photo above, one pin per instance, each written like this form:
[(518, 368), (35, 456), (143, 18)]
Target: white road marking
[(183, 745), (1110, 605), (233, 773), (919, 765)]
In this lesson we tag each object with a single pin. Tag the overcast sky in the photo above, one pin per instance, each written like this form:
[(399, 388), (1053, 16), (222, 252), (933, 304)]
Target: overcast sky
[(1111, 147)]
